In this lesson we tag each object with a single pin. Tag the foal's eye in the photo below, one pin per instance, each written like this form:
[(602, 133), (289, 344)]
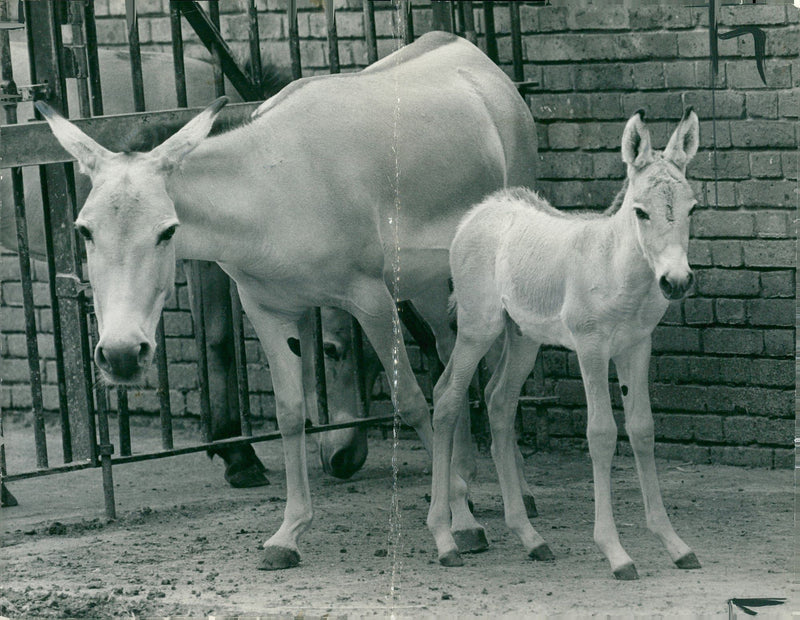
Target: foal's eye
[(167, 234), (84, 232), (641, 214)]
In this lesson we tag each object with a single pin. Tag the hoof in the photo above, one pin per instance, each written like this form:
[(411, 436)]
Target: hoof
[(627, 572), (278, 558), (471, 541), (542, 553), (688, 561), (451, 558), (247, 477), (530, 506)]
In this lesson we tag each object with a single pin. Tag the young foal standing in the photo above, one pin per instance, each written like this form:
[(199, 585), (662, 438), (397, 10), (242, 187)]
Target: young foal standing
[(597, 284)]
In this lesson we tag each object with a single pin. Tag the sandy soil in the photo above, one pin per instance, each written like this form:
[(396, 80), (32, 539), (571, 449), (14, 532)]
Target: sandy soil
[(186, 544)]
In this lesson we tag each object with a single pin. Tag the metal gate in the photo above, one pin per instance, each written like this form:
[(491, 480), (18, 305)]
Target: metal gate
[(84, 407)]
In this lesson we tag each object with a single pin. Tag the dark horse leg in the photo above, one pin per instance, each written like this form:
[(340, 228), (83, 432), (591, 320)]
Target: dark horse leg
[(242, 466)]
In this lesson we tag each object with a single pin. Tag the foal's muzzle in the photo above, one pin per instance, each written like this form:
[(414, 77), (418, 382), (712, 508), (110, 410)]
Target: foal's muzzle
[(675, 288)]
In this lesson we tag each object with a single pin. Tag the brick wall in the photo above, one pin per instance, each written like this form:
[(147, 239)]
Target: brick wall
[(722, 372)]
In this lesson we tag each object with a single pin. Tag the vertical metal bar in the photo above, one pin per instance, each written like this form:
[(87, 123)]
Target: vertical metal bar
[(202, 355), (165, 412), (369, 31), (469, 22), (255, 47), (452, 10), (136, 56), (216, 61), (177, 54), (407, 21), (441, 17), (123, 422), (106, 450), (319, 368), (491, 34), (78, 51), (241, 361), (44, 42), (362, 406), (30, 318), (294, 41), (516, 42), (93, 58), (333, 36)]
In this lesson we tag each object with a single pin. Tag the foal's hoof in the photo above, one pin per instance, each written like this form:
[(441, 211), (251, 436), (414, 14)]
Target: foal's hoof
[(688, 561), (278, 558), (249, 476), (471, 541), (542, 553), (626, 572), (451, 558), (530, 506)]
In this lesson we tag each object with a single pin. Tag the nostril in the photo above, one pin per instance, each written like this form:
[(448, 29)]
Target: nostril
[(144, 353), (100, 358), (665, 285)]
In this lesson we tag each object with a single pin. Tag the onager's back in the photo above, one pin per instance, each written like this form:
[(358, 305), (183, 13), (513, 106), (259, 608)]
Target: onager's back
[(597, 284)]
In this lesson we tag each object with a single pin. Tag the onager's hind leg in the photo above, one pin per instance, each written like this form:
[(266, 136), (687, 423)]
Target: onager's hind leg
[(516, 363), (601, 431), (632, 366)]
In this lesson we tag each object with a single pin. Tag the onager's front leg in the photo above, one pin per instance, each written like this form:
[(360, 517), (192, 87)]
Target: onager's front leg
[(601, 430), (632, 367), (274, 332)]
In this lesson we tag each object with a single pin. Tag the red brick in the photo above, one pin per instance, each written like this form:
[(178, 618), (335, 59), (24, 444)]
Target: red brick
[(739, 15), (773, 312), (709, 223), (770, 253), (726, 253), (646, 45), (597, 18), (729, 340), (766, 164), (762, 104), (648, 75), (570, 106), (598, 77), (563, 136), (557, 78), (551, 18), (659, 17), (656, 105), (777, 284), (730, 311), (678, 397), (605, 106), (773, 225), (767, 193), (675, 339), (729, 165), (767, 133), (699, 253), (789, 103), (726, 104), (743, 74), (779, 342), (698, 311)]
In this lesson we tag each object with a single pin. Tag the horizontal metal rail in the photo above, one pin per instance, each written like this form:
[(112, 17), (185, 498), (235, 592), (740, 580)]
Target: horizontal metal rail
[(34, 144), (222, 443)]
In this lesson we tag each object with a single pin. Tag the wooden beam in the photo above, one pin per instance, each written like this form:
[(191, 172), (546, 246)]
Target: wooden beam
[(33, 143)]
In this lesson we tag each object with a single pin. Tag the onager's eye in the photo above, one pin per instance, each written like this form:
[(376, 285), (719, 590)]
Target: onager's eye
[(641, 214), (84, 232), (167, 233)]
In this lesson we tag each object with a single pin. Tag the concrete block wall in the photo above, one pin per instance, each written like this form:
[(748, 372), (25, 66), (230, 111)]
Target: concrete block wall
[(722, 373)]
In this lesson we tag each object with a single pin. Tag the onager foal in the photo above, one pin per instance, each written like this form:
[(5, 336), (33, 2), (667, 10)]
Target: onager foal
[(597, 284)]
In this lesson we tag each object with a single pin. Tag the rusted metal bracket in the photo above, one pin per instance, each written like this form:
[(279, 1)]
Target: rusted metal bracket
[(10, 93), (70, 286)]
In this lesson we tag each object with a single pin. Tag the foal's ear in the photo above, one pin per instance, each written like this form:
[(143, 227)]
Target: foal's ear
[(170, 154), (83, 148), (636, 149), (683, 144)]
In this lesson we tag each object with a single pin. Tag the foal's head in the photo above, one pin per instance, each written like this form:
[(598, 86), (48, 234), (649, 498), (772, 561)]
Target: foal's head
[(659, 199), (128, 221)]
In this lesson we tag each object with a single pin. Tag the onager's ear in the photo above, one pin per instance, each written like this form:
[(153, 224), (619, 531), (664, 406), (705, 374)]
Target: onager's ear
[(683, 144), (89, 153), (170, 154), (636, 149)]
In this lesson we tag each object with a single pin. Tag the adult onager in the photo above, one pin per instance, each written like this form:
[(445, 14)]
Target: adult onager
[(308, 205), (597, 284), (243, 468)]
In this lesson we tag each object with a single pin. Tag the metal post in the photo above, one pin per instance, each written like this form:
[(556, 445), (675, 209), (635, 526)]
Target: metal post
[(469, 22), (106, 450), (241, 361), (177, 54), (255, 48), (44, 43), (490, 34), (136, 55), (362, 407), (319, 368), (216, 56), (294, 41), (407, 21), (93, 58), (516, 42), (369, 31), (164, 410), (333, 37), (202, 357), (441, 16)]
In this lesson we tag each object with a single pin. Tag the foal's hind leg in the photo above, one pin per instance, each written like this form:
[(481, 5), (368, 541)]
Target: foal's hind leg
[(632, 366), (516, 363)]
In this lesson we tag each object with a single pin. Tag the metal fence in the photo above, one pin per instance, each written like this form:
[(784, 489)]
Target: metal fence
[(84, 405)]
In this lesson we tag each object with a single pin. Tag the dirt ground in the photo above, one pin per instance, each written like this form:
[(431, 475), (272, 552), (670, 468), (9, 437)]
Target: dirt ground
[(185, 544)]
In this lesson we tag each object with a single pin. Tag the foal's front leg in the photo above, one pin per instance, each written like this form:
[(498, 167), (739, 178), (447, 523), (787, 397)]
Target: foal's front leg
[(601, 431), (274, 332), (632, 367)]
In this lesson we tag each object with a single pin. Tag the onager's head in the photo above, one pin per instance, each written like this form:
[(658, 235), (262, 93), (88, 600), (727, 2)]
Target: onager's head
[(128, 222), (660, 199)]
